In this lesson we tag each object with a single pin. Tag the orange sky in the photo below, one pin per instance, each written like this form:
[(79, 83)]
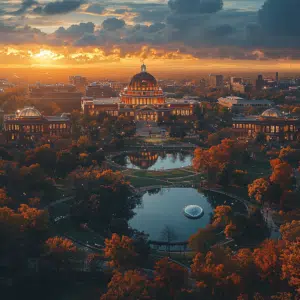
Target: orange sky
[(95, 62)]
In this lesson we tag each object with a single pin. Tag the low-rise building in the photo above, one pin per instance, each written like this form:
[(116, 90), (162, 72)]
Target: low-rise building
[(30, 124), (274, 124), (236, 104)]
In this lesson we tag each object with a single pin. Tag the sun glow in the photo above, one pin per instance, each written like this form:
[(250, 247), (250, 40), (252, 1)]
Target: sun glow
[(46, 55)]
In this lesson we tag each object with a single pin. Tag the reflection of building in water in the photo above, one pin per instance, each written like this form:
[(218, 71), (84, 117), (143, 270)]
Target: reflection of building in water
[(275, 125), (143, 99), (143, 160)]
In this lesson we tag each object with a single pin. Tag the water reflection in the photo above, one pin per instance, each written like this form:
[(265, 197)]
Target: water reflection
[(162, 209), (151, 160)]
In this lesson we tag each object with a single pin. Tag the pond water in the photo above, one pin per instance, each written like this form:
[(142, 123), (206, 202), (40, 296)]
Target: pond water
[(164, 207), (152, 160)]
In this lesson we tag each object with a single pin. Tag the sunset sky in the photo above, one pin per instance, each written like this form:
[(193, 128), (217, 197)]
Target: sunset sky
[(184, 34)]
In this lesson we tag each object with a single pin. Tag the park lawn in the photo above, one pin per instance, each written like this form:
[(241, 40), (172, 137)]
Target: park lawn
[(139, 182)]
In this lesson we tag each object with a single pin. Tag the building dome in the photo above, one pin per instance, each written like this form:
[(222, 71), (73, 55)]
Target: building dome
[(143, 80), (29, 112), (272, 113)]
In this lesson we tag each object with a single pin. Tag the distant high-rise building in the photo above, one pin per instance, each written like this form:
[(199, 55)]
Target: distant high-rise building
[(78, 80), (277, 77), (216, 81), (260, 83)]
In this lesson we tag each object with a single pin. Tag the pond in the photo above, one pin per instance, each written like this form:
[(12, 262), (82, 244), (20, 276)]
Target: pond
[(153, 160), (164, 207)]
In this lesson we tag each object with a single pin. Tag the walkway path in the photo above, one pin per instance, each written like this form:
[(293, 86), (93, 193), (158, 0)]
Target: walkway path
[(59, 201)]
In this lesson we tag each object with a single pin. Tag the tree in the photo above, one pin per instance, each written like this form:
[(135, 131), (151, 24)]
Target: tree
[(290, 231), (289, 155), (168, 234), (282, 175), (120, 251), (203, 239), (214, 275), (130, 286), (216, 159), (60, 251), (101, 196), (66, 162), (83, 142), (266, 259), (34, 218), (44, 156), (230, 230), (290, 258), (169, 279), (222, 215), (259, 189)]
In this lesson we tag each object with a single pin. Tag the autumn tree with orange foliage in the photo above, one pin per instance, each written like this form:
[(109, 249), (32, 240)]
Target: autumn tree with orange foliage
[(60, 251), (214, 160), (203, 239), (170, 279), (102, 196), (215, 276), (282, 174), (120, 251), (259, 189), (290, 258), (130, 285), (267, 260), (222, 215), (290, 231)]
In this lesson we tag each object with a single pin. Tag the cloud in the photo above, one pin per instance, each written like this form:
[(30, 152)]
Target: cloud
[(112, 24), (280, 18), (25, 5), (59, 7), (95, 8), (75, 31), (21, 35), (195, 6)]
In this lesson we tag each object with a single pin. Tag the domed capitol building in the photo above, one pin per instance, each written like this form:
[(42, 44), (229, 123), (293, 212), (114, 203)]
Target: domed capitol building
[(142, 100)]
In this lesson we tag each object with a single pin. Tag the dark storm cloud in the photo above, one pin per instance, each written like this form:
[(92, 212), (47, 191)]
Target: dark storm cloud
[(112, 24), (150, 12), (59, 7), (195, 6), (280, 18), (222, 30), (25, 5), (22, 35), (75, 31)]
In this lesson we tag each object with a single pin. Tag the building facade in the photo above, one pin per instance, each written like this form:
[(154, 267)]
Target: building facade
[(96, 90), (142, 100), (30, 124), (237, 104), (216, 81), (276, 126), (66, 96)]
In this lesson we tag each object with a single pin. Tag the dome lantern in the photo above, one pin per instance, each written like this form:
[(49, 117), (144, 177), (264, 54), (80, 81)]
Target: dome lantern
[(143, 68)]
